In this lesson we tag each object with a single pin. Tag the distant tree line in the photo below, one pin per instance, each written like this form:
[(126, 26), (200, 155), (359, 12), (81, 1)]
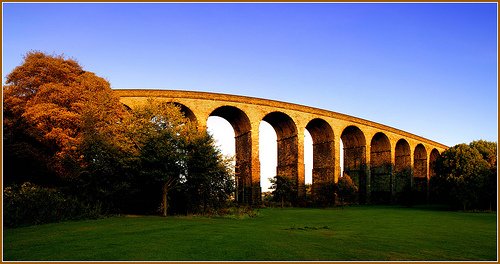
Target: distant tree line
[(70, 145)]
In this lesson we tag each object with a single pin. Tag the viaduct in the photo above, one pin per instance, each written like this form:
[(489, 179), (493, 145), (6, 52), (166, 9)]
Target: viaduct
[(381, 160)]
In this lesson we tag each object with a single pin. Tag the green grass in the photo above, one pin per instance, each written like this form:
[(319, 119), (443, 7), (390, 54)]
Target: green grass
[(353, 233)]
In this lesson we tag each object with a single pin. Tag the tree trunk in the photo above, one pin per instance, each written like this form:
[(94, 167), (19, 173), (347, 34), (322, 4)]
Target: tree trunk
[(164, 196), (282, 201)]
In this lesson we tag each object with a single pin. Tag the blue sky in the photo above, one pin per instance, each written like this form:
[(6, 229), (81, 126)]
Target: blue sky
[(429, 69)]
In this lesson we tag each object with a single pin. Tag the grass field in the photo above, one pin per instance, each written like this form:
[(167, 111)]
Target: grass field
[(353, 233)]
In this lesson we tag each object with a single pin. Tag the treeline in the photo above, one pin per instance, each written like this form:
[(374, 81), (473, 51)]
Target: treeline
[(72, 150)]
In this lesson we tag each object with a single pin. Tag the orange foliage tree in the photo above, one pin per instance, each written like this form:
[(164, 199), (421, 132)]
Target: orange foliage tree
[(52, 101)]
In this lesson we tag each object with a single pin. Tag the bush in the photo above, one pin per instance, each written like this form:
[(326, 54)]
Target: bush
[(347, 190), (324, 194), (30, 204), (238, 212)]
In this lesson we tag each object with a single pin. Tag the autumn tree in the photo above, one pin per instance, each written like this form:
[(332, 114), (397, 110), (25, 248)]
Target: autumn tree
[(48, 99), (61, 126), (25, 81), (26, 157)]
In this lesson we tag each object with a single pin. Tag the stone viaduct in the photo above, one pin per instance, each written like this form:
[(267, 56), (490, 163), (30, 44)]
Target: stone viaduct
[(381, 160)]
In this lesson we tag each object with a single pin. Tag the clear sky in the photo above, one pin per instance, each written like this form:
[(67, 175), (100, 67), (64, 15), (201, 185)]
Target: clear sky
[(426, 68)]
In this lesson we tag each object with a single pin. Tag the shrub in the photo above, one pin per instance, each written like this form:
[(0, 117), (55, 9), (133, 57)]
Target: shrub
[(30, 204), (347, 189)]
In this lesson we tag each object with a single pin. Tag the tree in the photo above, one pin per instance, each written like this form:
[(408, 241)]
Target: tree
[(462, 176), (209, 176), (487, 149), (47, 100), (26, 158), (106, 178), (489, 152), (175, 155), (24, 81), (284, 189), (61, 126), (158, 131)]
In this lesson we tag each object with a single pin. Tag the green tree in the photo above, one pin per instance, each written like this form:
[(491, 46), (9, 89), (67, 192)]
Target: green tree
[(209, 176), (461, 176), (158, 131), (488, 150), (175, 155), (284, 189), (106, 178)]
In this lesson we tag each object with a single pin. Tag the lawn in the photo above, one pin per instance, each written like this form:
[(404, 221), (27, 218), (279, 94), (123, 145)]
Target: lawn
[(352, 233)]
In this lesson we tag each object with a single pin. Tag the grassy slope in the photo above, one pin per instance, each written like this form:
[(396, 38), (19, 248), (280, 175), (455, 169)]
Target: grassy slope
[(356, 233)]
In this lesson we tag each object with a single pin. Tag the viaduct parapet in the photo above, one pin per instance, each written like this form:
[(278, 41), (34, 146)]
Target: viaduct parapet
[(381, 160)]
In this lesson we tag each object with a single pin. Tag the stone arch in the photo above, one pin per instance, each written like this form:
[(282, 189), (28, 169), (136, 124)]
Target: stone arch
[(432, 162), (380, 169), (420, 172), (323, 160), (355, 158), (187, 112), (288, 145), (402, 168), (243, 140)]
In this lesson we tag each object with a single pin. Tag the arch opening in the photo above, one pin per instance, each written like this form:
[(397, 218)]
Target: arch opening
[(354, 143), (246, 190), (402, 169), (420, 181), (223, 134), (308, 163), (188, 113), (380, 169), (432, 162), (268, 159), (323, 161), (288, 149)]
